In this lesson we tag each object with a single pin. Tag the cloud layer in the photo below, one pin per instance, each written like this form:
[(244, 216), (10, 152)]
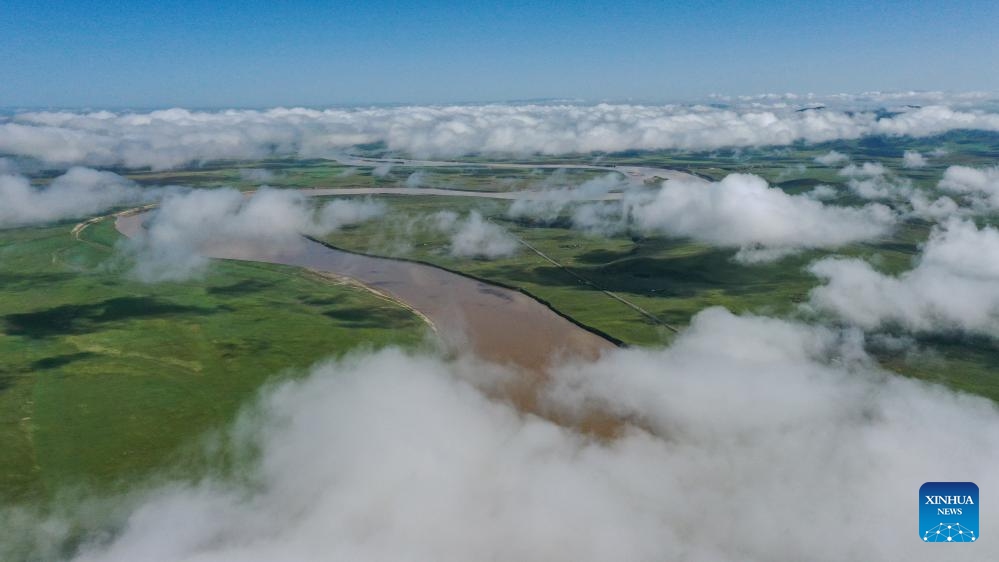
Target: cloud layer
[(548, 204), (474, 236), (953, 287), (742, 211), (188, 226), (175, 137), (77, 193), (754, 439), (980, 186)]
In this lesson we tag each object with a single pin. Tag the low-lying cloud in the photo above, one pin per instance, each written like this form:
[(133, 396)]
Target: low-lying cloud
[(188, 227), (753, 439), (257, 175), (954, 287), (416, 179), (475, 237), (980, 186), (78, 193), (832, 158), (872, 180), (177, 137), (549, 203), (913, 159), (742, 211)]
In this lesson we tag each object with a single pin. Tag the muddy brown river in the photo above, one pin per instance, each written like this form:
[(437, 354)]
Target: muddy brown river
[(498, 324)]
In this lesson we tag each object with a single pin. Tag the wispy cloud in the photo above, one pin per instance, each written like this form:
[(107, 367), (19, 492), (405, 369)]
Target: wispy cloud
[(980, 186), (913, 159), (832, 158), (953, 287), (77, 193), (549, 203), (473, 236), (190, 226), (763, 222)]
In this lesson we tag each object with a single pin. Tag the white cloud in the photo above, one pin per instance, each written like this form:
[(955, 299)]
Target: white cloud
[(832, 158), (77, 193), (892, 101), (953, 287), (475, 237), (601, 218), (416, 179), (934, 120), (823, 192), (975, 190), (938, 209), (175, 137), (547, 204), (867, 169), (257, 175), (188, 227), (754, 439), (979, 185), (872, 180), (8, 167), (790, 172), (343, 212), (742, 211), (913, 159)]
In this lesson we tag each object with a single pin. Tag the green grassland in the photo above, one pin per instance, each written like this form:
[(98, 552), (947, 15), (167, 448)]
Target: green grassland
[(103, 379), (327, 174), (670, 279), (793, 168)]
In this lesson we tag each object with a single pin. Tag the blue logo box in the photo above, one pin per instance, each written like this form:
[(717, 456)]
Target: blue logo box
[(948, 512)]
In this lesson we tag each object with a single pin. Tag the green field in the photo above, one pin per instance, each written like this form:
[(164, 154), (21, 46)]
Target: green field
[(793, 168), (669, 278), (103, 379), (328, 174)]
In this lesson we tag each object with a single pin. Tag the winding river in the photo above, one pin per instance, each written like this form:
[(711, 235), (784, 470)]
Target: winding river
[(497, 324)]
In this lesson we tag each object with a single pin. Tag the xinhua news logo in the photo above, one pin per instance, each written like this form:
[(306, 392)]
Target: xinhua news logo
[(948, 512)]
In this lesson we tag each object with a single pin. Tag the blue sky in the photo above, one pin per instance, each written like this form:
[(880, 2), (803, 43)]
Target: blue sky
[(250, 53)]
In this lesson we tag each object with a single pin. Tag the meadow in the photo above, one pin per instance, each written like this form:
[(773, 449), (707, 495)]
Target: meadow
[(104, 379), (670, 280), (665, 281)]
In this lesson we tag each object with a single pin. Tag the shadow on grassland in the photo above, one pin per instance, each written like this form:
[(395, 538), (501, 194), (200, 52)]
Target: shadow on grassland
[(241, 288), (17, 281), (679, 276), (60, 361), (359, 317), (78, 319)]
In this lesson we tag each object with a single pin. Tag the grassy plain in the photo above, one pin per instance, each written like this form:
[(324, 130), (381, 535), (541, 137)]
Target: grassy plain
[(671, 279), (104, 379), (328, 174)]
